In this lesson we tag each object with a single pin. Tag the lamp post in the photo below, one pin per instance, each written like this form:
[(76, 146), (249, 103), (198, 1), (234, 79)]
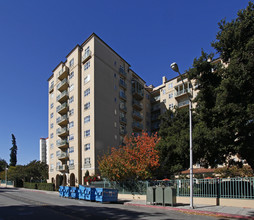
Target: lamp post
[(174, 67), (6, 176)]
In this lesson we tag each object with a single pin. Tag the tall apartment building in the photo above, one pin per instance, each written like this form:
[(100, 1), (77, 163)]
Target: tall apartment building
[(95, 99), (44, 150)]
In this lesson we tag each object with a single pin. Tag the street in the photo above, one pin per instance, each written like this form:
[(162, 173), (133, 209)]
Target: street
[(33, 204)]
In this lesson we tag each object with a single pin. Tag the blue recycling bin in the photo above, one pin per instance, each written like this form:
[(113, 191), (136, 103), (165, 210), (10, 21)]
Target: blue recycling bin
[(106, 195), (81, 192), (74, 192), (90, 193), (61, 191), (67, 192)]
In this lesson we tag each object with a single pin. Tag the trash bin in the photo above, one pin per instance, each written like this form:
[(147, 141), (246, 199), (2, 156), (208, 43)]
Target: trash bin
[(67, 193), (159, 195), (170, 196), (89, 193), (74, 192), (81, 192), (61, 191), (150, 195), (106, 195)]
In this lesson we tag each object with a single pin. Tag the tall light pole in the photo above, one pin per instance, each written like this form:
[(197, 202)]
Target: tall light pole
[(174, 67), (6, 176)]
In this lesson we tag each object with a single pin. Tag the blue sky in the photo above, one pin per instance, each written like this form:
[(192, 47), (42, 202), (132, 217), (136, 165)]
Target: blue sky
[(36, 35)]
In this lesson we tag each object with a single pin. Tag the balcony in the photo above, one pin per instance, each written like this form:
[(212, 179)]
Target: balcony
[(122, 72), (137, 90), (62, 168), (87, 165), (63, 156), (123, 132), (123, 120), (138, 94), (183, 104), (63, 73), (63, 120), (63, 85), (137, 105), (86, 56), (137, 126), (181, 93), (62, 131), (51, 88), (137, 115), (122, 84), (62, 109), (71, 166), (123, 107), (62, 97), (122, 96), (62, 143)]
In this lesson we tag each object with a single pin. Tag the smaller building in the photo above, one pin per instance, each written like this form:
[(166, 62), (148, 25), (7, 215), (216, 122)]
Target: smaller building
[(44, 150)]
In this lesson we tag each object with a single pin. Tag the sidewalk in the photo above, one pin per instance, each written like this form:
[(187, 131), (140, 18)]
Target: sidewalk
[(212, 210)]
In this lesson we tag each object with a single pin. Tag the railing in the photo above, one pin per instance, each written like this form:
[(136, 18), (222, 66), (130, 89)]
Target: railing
[(123, 119), (122, 83), (86, 56), (59, 85), (181, 92), (232, 188), (63, 155), (137, 114), (137, 103), (62, 71), (71, 166), (180, 104), (61, 142), (61, 130), (137, 125), (64, 93), (122, 72), (122, 95), (123, 107), (61, 119), (61, 107)]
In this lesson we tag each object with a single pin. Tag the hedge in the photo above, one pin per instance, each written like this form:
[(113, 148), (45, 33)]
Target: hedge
[(40, 186)]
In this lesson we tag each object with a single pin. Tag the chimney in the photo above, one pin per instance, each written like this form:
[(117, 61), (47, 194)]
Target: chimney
[(164, 79)]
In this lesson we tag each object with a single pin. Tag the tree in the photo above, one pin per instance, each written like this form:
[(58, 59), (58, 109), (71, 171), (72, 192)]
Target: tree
[(136, 160), (225, 102), (13, 155), (3, 165)]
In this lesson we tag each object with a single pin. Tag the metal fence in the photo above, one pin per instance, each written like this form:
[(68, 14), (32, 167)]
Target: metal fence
[(9, 183), (234, 188)]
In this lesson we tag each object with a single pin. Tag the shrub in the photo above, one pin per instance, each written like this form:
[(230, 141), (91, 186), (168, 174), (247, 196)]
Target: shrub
[(40, 186)]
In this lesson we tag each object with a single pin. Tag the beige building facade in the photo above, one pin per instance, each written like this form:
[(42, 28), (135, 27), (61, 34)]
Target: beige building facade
[(95, 99)]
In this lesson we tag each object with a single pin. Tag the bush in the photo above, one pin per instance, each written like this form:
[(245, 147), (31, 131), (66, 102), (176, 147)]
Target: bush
[(40, 186)]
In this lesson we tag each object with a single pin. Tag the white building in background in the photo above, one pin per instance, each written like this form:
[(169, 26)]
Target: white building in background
[(44, 150)]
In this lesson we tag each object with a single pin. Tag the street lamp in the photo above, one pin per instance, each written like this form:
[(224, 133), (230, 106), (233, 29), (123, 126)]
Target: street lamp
[(6, 169), (174, 67)]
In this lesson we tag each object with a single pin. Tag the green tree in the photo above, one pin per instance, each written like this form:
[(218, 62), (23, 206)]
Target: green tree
[(3, 165), (13, 155)]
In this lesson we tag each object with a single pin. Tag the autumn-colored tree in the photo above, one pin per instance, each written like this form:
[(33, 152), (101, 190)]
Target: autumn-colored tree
[(136, 160)]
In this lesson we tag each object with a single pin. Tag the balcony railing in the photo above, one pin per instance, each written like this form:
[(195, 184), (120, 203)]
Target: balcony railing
[(137, 126), (63, 73), (181, 92), (62, 131), (63, 96), (137, 115), (63, 156), (62, 108), (63, 167), (63, 120), (62, 143), (136, 104), (122, 72), (123, 132), (122, 84), (86, 56), (51, 88), (63, 85), (123, 107), (122, 95), (71, 166), (123, 120), (183, 103), (87, 165)]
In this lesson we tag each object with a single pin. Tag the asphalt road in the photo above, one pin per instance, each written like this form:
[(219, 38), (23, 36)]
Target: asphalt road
[(25, 204)]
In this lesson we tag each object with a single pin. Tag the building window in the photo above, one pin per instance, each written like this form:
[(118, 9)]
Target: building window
[(163, 91), (115, 75), (52, 95), (51, 146), (71, 149), (170, 95), (171, 105), (51, 156), (51, 135), (71, 63), (58, 164), (170, 85), (71, 162), (87, 65), (71, 137), (51, 125), (51, 105), (71, 99), (71, 75), (164, 100), (87, 106), (87, 79), (71, 112), (87, 161), (51, 167), (115, 63), (87, 147), (58, 153), (87, 119), (51, 115), (71, 87), (71, 124), (87, 92), (147, 96), (87, 133)]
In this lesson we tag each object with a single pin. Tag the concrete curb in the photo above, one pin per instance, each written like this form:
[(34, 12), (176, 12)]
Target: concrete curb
[(193, 211)]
